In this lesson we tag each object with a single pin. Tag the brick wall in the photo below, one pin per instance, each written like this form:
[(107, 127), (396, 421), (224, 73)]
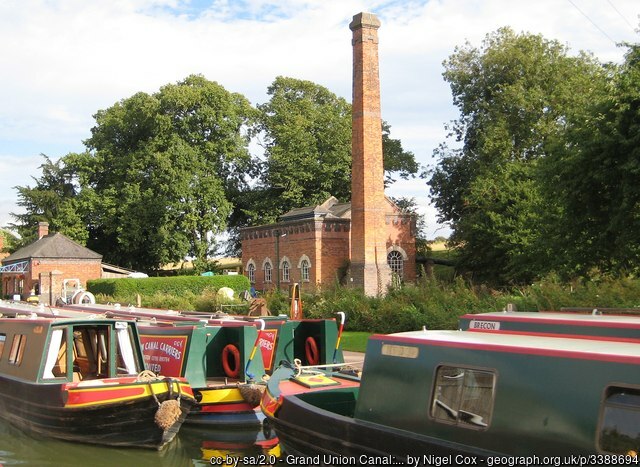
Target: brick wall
[(67, 269), (324, 242), (369, 268)]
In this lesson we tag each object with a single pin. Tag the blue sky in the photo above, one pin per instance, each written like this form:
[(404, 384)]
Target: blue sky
[(62, 60)]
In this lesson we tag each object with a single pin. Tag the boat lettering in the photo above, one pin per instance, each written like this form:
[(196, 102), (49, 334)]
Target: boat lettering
[(403, 351), (484, 325), (267, 344), (154, 367), (430, 459), (164, 354)]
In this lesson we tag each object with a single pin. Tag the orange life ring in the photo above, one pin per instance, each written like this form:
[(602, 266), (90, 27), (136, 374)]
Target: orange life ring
[(311, 351), (231, 368)]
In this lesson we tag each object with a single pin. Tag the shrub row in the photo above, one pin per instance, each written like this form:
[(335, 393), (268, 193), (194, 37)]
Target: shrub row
[(437, 305), (430, 303), (175, 286)]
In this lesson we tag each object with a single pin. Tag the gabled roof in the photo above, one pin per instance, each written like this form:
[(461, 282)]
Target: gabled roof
[(331, 208), (53, 246)]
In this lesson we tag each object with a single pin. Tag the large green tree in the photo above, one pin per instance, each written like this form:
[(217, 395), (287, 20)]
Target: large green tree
[(594, 174), (305, 131), (515, 94), (152, 187), (53, 199), (306, 135)]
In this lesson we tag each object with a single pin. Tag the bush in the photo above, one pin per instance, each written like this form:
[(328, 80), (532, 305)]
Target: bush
[(430, 303), (177, 286)]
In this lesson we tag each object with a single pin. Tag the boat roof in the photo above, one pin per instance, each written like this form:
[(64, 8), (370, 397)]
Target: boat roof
[(589, 349), (551, 317), (61, 320)]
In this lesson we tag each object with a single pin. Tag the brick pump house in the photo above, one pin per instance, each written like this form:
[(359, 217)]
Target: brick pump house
[(40, 267), (366, 242)]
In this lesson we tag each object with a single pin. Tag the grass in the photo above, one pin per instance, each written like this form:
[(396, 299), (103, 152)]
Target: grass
[(354, 341)]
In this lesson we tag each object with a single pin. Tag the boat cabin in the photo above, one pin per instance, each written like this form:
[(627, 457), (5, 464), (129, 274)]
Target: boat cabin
[(53, 350), (554, 323), (505, 393)]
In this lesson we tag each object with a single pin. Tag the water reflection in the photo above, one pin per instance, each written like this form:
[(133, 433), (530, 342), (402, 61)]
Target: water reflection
[(193, 447)]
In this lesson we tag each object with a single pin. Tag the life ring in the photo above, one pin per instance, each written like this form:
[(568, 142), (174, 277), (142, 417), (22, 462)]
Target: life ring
[(311, 351), (231, 361)]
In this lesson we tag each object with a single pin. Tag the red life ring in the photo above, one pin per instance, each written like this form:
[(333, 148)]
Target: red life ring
[(311, 351), (231, 368)]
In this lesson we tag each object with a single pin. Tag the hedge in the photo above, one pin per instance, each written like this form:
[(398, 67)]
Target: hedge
[(169, 285)]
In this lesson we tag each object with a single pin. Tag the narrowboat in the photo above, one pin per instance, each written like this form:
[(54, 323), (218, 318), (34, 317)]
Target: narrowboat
[(83, 380), (594, 325), (440, 396), (219, 356)]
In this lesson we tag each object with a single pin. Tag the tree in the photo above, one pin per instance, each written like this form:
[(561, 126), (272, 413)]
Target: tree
[(53, 199), (307, 142), (10, 241), (306, 132), (595, 173), (514, 95), (152, 187)]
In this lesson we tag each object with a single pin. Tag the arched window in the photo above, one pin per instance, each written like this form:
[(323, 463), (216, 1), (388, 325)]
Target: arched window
[(251, 272), (267, 271), (286, 271), (305, 268), (396, 262)]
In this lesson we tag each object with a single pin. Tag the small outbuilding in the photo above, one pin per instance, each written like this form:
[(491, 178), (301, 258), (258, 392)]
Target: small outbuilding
[(42, 267)]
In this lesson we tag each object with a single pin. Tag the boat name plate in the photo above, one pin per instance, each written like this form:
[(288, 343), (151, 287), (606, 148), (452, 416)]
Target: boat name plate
[(403, 351), (484, 325)]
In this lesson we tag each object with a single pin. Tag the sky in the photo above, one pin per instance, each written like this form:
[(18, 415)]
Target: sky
[(63, 60)]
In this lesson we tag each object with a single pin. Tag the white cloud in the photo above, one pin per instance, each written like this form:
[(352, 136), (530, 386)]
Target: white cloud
[(65, 59)]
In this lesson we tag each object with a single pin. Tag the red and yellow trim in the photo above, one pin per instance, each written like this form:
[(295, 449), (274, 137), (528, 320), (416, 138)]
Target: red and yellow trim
[(100, 394), (270, 404), (220, 395)]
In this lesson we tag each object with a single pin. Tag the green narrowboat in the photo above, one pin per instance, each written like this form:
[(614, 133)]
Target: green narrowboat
[(432, 397), (219, 356), (83, 380), (593, 325)]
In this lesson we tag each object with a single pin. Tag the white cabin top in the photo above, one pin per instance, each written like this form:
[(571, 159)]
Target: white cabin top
[(574, 318), (521, 344)]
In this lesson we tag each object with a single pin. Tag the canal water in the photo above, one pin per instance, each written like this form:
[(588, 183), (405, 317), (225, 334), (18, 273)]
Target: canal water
[(192, 447)]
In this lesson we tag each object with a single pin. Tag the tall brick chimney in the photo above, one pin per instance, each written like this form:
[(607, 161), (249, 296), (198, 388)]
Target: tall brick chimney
[(43, 229), (369, 268)]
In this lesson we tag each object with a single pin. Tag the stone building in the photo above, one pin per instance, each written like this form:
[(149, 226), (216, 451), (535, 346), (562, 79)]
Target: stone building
[(41, 267), (365, 242)]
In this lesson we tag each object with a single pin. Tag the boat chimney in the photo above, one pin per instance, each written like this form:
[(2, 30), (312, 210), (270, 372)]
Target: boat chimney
[(43, 229)]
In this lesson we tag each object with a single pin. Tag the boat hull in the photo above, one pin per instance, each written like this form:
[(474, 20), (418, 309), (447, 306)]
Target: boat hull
[(334, 437), (106, 414)]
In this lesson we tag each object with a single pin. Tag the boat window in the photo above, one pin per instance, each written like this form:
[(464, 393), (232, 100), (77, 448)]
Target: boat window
[(91, 352), (56, 364), (463, 397), (2, 339), (126, 358), (619, 431), (17, 349)]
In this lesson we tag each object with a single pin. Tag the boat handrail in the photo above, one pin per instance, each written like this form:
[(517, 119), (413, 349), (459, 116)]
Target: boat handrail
[(315, 369)]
